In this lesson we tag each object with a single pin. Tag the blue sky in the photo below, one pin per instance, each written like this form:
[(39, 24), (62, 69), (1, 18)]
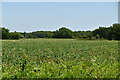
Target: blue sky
[(49, 16)]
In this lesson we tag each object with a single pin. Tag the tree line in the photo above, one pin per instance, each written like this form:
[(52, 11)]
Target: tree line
[(109, 33)]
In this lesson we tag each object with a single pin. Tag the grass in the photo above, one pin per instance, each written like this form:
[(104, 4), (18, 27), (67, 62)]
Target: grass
[(59, 58)]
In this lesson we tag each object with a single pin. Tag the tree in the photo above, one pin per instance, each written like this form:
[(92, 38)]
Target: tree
[(110, 33), (116, 31), (24, 34), (103, 32), (5, 33), (0, 33), (15, 35), (63, 33)]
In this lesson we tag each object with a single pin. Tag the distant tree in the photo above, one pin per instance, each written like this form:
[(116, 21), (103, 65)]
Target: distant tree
[(0, 33), (21, 35), (76, 34), (110, 33), (83, 34), (15, 35), (63, 33), (5, 33), (103, 32), (49, 34), (116, 31), (24, 34), (40, 34), (97, 36)]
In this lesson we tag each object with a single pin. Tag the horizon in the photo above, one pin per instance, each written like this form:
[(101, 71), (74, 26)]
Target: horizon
[(50, 16), (57, 29)]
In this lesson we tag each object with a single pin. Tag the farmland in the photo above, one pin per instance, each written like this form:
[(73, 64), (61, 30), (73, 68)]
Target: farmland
[(59, 58)]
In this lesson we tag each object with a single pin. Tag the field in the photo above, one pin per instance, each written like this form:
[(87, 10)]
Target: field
[(59, 58)]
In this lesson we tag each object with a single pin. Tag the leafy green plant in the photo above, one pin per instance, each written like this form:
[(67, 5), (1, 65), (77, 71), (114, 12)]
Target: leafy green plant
[(59, 58)]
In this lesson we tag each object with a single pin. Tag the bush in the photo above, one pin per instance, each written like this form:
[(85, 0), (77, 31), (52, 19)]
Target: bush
[(15, 35)]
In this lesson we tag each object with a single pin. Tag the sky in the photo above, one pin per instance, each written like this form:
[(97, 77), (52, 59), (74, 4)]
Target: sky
[(50, 16), (59, 0), (0, 13)]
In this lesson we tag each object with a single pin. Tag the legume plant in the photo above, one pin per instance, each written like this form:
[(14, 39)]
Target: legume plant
[(60, 58)]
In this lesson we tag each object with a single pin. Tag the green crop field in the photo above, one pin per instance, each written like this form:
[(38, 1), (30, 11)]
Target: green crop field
[(59, 58)]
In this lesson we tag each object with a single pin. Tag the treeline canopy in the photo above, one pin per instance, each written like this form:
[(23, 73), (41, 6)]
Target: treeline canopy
[(109, 33)]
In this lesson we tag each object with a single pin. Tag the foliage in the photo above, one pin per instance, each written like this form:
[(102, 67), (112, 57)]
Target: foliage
[(63, 33), (116, 31), (5, 33), (15, 35), (59, 58), (109, 33)]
